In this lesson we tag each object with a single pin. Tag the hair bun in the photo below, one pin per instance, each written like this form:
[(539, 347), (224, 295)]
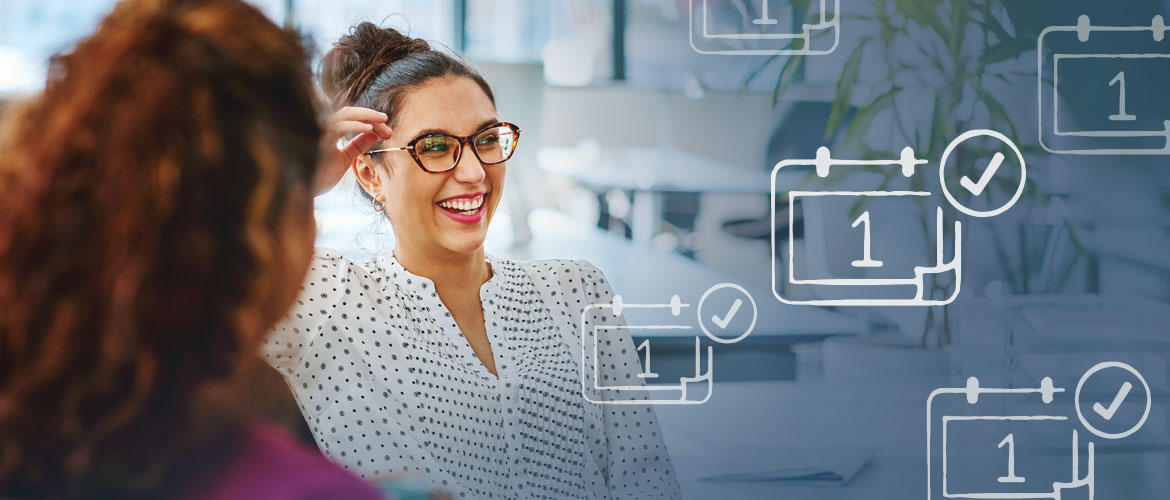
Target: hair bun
[(353, 62)]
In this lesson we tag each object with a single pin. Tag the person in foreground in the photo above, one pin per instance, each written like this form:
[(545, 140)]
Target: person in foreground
[(436, 359), (155, 212)]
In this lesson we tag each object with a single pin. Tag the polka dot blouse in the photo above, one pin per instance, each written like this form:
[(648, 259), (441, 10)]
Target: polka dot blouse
[(390, 387)]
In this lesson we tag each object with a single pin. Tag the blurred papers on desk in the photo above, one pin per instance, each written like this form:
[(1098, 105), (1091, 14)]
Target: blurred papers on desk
[(813, 466)]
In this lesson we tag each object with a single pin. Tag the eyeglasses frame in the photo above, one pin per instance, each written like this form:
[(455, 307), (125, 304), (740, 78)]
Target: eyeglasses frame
[(463, 142)]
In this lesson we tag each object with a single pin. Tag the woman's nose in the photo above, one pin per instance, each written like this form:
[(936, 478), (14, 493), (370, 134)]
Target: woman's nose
[(469, 170)]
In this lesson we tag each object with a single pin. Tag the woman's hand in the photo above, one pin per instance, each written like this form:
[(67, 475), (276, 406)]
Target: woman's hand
[(370, 126)]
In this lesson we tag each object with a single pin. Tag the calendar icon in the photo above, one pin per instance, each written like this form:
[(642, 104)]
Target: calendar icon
[(641, 387), (764, 27), (852, 251), (978, 438), (1097, 93), (641, 383), (867, 279), (989, 442)]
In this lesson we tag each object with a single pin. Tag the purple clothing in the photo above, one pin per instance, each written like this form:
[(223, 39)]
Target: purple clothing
[(271, 465)]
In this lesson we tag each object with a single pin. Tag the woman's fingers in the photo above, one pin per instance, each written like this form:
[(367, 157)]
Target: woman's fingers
[(382, 130), (368, 125), (339, 129), (354, 113), (358, 145)]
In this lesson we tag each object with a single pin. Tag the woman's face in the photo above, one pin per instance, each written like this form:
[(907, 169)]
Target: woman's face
[(448, 211)]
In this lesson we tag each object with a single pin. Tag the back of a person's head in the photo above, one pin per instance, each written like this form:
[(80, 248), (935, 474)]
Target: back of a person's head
[(155, 220)]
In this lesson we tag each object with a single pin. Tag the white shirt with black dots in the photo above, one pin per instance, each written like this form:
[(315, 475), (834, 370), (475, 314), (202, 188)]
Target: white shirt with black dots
[(390, 387)]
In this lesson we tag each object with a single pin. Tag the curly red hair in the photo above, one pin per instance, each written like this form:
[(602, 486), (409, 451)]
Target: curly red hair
[(155, 220)]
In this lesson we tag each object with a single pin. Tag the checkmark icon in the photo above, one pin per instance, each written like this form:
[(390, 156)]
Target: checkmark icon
[(976, 188), (1107, 413), (722, 322)]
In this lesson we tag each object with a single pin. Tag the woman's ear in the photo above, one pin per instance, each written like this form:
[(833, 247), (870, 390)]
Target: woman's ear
[(367, 175)]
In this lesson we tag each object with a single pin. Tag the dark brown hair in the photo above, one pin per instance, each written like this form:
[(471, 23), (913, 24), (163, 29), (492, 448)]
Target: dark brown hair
[(374, 67), (146, 201)]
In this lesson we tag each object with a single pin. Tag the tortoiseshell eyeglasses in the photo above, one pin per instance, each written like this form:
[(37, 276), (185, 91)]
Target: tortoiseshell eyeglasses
[(438, 153)]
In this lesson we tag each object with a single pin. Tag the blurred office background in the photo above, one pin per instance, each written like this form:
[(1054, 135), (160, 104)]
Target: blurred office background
[(654, 162)]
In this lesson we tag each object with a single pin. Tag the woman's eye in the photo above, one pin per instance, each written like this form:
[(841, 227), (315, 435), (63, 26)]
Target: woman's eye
[(487, 139), (433, 145)]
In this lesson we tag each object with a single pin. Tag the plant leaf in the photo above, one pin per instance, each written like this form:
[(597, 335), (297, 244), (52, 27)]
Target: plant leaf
[(997, 110), (788, 73), (960, 18), (865, 114), (938, 127), (923, 12), (1007, 49), (844, 92)]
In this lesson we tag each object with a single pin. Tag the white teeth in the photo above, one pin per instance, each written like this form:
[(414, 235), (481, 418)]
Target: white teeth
[(463, 204)]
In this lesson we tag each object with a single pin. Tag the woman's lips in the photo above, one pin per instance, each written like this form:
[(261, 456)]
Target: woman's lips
[(467, 209)]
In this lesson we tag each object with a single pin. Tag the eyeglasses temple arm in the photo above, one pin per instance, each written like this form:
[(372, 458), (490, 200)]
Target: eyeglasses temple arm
[(407, 148)]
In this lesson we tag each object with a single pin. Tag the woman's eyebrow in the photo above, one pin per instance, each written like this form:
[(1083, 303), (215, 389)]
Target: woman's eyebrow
[(485, 123), (481, 126)]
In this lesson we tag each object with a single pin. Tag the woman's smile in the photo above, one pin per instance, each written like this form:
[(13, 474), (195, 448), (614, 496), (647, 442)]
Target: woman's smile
[(464, 208)]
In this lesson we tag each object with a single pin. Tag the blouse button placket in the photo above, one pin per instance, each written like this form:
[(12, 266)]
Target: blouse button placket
[(505, 382)]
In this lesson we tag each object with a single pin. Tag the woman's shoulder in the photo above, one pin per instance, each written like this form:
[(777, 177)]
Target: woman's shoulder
[(558, 268), (569, 276), (269, 463), (328, 263)]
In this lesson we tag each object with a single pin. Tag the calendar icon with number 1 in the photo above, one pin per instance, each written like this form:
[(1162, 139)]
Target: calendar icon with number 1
[(1102, 89), (764, 27), (852, 252)]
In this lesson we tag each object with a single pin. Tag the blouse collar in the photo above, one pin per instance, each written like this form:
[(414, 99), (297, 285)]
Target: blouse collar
[(422, 287)]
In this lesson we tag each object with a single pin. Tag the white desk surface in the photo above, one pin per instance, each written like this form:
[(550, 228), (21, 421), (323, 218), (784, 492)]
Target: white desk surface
[(641, 275), (654, 169), (802, 414)]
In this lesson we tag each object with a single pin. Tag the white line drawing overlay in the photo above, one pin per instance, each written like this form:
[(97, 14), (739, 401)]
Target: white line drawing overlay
[(1102, 411), (1121, 133), (640, 392), (887, 290), (722, 322), (824, 163), (978, 188), (762, 34), (937, 474)]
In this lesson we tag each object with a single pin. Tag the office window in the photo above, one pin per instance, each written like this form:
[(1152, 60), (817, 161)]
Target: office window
[(31, 31), (322, 22), (574, 39), (659, 55)]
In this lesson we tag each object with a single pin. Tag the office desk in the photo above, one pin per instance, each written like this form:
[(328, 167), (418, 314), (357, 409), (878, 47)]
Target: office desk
[(890, 417), (652, 169), (649, 172)]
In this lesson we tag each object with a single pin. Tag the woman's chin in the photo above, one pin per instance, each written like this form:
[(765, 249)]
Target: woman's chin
[(461, 237), (464, 243)]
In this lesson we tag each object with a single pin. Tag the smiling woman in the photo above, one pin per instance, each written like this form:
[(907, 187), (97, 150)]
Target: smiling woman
[(436, 359)]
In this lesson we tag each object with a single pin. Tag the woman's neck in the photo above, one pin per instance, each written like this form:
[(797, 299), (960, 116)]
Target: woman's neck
[(448, 270)]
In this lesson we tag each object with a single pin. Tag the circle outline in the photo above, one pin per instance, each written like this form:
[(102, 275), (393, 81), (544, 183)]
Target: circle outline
[(1077, 399), (943, 180), (703, 326)]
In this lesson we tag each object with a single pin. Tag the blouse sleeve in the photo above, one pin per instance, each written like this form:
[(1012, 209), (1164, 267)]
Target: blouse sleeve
[(320, 295), (637, 465)]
